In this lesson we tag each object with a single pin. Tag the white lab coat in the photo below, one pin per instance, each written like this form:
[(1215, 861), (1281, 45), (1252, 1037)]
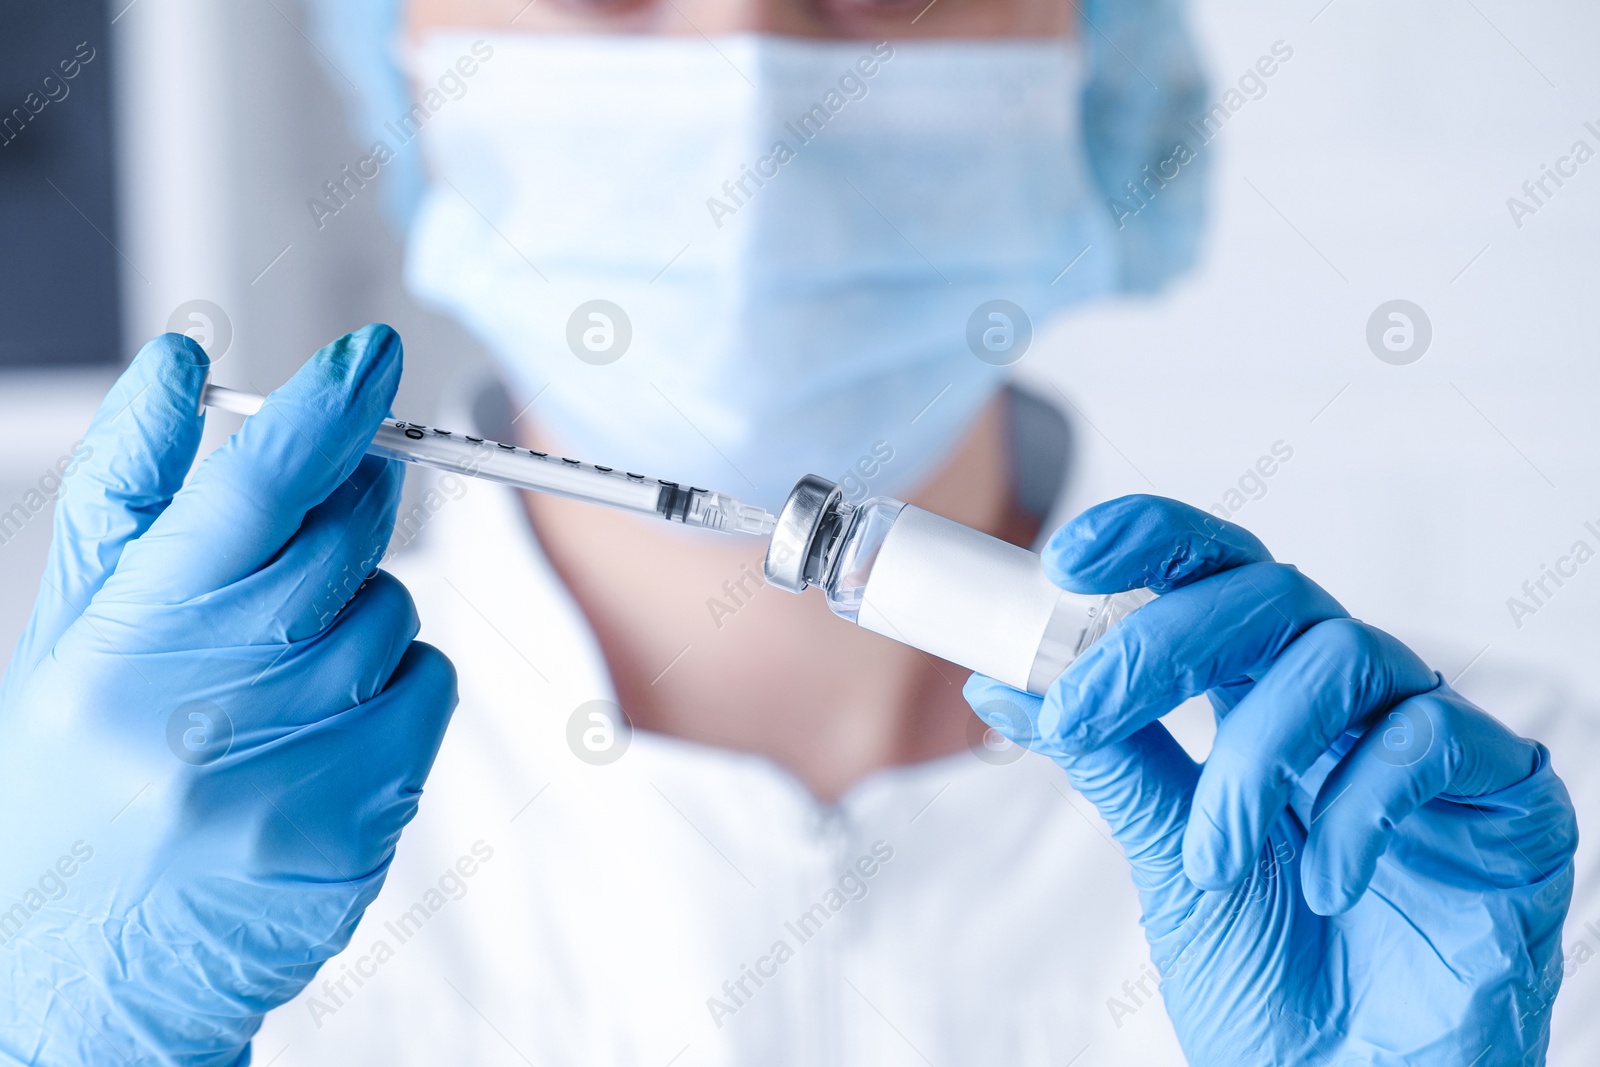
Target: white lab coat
[(542, 910)]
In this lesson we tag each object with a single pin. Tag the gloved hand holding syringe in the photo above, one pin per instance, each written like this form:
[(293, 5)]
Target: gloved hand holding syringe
[(885, 565)]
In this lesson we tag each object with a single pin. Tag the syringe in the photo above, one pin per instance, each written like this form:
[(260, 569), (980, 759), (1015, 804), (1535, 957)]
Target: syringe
[(541, 472)]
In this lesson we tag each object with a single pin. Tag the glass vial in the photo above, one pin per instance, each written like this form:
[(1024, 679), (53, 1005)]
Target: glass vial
[(937, 585)]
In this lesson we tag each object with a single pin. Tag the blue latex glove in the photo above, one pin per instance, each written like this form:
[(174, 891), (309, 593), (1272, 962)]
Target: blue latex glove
[(217, 722), (1367, 869)]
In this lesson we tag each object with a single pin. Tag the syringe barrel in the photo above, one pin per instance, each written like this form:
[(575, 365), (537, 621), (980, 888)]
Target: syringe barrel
[(526, 468), (522, 467)]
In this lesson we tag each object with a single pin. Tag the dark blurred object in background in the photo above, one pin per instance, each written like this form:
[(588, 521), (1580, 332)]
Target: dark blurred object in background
[(58, 265)]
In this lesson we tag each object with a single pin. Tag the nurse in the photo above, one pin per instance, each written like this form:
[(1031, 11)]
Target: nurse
[(679, 818)]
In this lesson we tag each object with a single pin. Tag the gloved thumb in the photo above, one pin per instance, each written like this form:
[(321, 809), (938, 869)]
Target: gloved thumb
[(1142, 787)]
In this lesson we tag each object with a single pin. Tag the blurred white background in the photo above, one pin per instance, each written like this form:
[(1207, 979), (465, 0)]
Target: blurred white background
[(1377, 166)]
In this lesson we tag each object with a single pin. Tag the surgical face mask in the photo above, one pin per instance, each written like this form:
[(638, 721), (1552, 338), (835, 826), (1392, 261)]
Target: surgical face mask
[(736, 262)]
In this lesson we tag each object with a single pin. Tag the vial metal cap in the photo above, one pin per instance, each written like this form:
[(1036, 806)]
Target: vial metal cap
[(810, 502)]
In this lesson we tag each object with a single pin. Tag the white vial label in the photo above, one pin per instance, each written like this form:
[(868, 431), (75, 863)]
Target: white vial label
[(960, 595)]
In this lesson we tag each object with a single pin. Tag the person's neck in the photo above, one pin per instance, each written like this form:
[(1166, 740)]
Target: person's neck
[(701, 648)]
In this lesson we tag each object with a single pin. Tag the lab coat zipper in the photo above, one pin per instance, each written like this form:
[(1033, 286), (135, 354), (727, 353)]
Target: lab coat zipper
[(834, 838)]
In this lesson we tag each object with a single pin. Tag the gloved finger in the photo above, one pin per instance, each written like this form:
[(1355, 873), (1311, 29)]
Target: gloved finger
[(325, 803), (1010, 712), (1436, 745), (132, 459), (353, 657), (335, 550), (348, 662), (247, 498), (1148, 541), (1218, 631), (1337, 676), (1142, 787), (367, 764)]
